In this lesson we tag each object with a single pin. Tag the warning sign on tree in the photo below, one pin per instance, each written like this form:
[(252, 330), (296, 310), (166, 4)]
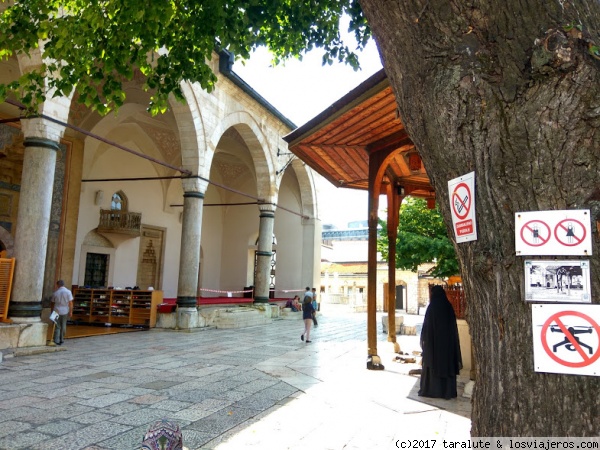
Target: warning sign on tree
[(563, 232), (566, 339), (461, 191)]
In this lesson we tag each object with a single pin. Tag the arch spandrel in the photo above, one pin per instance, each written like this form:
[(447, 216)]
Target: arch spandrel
[(195, 154), (308, 190), (55, 107)]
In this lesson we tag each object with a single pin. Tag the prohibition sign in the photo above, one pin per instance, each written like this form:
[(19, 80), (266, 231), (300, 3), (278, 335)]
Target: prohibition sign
[(570, 232), (573, 340), (458, 204), (536, 233)]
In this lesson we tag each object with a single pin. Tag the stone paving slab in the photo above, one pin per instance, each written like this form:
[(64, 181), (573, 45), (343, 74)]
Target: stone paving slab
[(257, 387)]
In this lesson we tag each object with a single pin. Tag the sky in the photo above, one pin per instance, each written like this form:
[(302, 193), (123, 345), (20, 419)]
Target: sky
[(301, 90)]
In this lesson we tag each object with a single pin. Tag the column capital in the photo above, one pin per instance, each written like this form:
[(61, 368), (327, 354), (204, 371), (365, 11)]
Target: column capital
[(194, 184), (267, 209), (42, 129)]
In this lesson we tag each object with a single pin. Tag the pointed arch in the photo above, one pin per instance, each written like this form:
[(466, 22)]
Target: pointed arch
[(119, 201), (258, 147)]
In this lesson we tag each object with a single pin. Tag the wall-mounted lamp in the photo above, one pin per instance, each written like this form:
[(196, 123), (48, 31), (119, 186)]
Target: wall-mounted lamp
[(99, 197), (401, 190)]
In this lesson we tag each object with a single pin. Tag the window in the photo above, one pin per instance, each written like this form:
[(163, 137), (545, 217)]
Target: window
[(96, 270), (118, 202)]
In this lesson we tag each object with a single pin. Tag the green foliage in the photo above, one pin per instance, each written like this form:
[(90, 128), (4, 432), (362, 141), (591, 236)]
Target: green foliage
[(95, 47), (594, 51), (422, 238)]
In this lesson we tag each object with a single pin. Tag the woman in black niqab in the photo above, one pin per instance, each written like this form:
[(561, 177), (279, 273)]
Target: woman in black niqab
[(442, 360)]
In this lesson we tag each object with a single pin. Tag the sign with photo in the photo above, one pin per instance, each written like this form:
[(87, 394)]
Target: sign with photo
[(566, 281)]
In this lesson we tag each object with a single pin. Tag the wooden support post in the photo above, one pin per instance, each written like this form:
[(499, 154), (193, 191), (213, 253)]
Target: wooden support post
[(393, 212)]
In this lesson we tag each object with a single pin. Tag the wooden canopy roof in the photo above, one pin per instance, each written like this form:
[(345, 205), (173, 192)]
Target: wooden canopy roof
[(360, 142), (362, 127)]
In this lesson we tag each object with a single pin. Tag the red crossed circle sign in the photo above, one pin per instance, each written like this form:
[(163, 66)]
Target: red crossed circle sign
[(530, 228), (461, 200), (572, 340), (571, 235)]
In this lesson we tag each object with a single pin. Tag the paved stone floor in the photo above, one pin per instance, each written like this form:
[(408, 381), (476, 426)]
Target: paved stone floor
[(258, 387)]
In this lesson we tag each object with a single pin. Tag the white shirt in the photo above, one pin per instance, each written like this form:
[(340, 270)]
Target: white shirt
[(61, 298)]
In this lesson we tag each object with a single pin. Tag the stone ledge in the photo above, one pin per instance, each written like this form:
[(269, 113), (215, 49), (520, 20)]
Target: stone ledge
[(23, 335), (29, 351), (288, 314)]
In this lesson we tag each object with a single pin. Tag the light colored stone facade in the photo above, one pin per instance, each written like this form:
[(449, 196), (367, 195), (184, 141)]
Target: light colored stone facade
[(346, 282), (227, 139)]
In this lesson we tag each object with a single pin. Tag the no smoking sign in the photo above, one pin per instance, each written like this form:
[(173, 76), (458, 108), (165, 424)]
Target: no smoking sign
[(566, 232), (461, 192), (566, 339), (461, 200)]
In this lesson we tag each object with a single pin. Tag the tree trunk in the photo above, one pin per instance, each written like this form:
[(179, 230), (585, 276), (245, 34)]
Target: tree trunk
[(510, 90)]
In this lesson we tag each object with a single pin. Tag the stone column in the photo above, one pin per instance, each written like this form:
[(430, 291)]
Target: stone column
[(33, 218), (264, 253), (311, 252), (189, 257)]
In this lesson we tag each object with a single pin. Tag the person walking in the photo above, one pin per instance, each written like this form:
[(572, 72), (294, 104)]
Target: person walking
[(442, 359), (307, 316), (315, 307), (62, 304)]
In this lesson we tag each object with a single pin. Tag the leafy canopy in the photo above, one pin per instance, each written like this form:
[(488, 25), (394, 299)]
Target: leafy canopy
[(422, 238), (96, 46)]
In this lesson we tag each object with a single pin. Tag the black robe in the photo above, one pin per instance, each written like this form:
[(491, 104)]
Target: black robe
[(442, 360)]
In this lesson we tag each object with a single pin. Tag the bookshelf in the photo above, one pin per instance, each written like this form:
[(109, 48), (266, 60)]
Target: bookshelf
[(116, 306)]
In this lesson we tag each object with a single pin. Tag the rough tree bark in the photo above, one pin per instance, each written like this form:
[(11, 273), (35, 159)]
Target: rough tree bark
[(511, 90)]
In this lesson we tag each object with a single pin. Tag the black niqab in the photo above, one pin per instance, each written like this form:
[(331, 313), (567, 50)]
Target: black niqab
[(442, 360)]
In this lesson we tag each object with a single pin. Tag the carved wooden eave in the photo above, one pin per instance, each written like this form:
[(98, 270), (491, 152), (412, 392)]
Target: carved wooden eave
[(340, 141)]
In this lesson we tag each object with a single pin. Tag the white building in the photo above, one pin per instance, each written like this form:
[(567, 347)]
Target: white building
[(344, 273), (194, 202)]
